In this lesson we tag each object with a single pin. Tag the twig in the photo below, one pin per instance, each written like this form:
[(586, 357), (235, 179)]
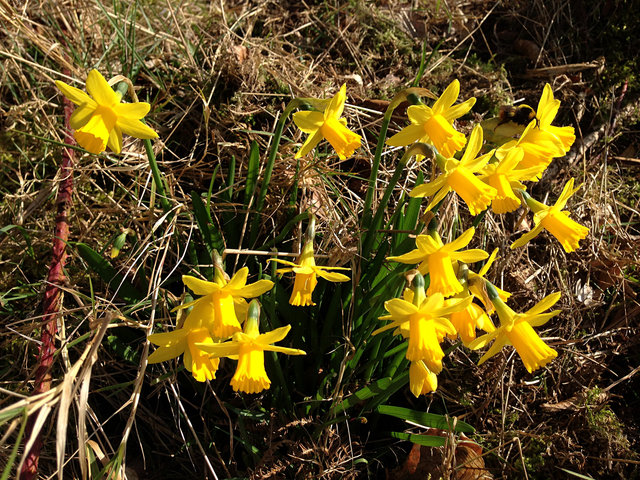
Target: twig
[(53, 293)]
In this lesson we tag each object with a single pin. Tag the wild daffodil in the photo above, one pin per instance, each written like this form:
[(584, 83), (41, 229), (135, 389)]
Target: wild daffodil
[(249, 347), (434, 125), (437, 259), (458, 175), (546, 113), (100, 119), (307, 273), (517, 329), (329, 125), (555, 221), (425, 320), (504, 177), (183, 341), (222, 301)]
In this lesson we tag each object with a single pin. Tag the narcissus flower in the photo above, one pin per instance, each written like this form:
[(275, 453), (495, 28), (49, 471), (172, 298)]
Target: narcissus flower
[(434, 125), (223, 301), (421, 379), (427, 324), (459, 176), (249, 347), (555, 221), (100, 119), (504, 177), (467, 320), (307, 273), (517, 329), (329, 125), (184, 340), (436, 259), (546, 113)]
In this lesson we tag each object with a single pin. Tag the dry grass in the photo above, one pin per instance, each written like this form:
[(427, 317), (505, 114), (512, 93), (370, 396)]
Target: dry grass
[(217, 76)]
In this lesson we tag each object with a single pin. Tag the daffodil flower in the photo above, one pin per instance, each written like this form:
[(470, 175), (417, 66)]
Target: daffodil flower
[(307, 273), (427, 324), (100, 119), (555, 221), (517, 329), (434, 125), (183, 340), (546, 113), (504, 177), (249, 347), (329, 125), (436, 259), (459, 176), (466, 321), (223, 301), (421, 379)]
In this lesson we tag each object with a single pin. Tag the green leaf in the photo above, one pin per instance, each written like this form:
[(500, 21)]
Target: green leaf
[(426, 440), (365, 393), (210, 234), (425, 419), (253, 168), (123, 288)]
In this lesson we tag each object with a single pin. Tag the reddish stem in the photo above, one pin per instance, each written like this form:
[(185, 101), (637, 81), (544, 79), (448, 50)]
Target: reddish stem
[(52, 293)]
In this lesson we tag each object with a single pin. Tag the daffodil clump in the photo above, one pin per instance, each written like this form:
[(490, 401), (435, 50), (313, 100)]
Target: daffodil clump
[(446, 299)]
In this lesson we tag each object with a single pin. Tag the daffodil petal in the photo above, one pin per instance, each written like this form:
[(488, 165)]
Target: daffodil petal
[(524, 239), (255, 289), (545, 304), (332, 276), (168, 339), (308, 121), (462, 241), (163, 354), (406, 136), (495, 348), (198, 286), (135, 128), (133, 111), (81, 115), (100, 90), (238, 280), (273, 336), (115, 140), (220, 349), (448, 97), (414, 256), (309, 144), (459, 110), (542, 318), (470, 256), (336, 104), (400, 308), (76, 95)]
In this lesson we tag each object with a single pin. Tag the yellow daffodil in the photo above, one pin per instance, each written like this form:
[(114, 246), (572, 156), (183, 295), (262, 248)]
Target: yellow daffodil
[(466, 321), (459, 176), (504, 177), (307, 273), (223, 301), (546, 113), (476, 284), (249, 347), (100, 119), (329, 125), (434, 125), (555, 221), (427, 324), (183, 340), (421, 379), (517, 329), (538, 148), (436, 259)]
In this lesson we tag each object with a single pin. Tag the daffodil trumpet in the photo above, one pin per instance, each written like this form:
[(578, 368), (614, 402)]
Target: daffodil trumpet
[(248, 348)]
